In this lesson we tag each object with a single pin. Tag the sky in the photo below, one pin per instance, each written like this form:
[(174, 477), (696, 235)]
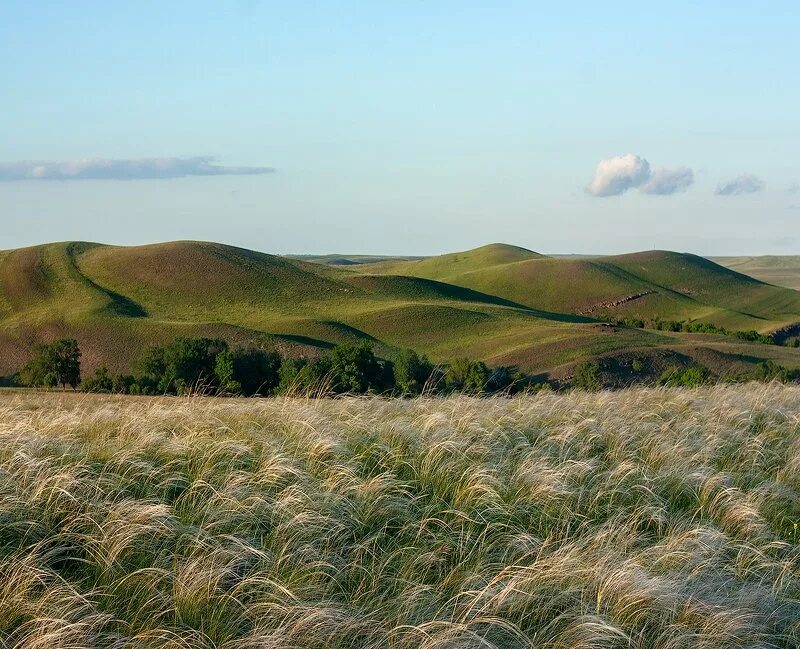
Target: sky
[(402, 126)]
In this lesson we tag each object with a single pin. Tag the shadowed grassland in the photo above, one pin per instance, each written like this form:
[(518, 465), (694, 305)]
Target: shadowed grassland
[(649, 519)]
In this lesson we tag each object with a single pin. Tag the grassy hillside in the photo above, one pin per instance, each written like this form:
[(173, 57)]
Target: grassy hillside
[(641, 519), (773, 269), (659, 283), (453, 265), (501, 304)]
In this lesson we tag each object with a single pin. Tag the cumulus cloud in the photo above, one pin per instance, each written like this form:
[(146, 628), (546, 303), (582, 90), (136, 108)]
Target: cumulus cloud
[(668, 181), (615, 176), (135, 169), (745, 184)]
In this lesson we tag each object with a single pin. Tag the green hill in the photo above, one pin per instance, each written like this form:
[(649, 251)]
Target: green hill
[(650, 284), (501, 304), (445, 267)]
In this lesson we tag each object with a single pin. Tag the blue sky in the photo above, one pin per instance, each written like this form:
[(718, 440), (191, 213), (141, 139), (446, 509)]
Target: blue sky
[(402, 127)]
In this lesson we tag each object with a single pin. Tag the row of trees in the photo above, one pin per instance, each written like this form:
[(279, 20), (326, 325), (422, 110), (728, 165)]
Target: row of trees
[(692, 326), (208, 365), (589, 376)]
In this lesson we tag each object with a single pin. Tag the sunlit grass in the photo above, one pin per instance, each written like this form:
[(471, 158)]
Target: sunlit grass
[(646, 518)]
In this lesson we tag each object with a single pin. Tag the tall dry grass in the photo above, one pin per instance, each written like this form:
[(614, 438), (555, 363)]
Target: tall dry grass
[(652, 519)]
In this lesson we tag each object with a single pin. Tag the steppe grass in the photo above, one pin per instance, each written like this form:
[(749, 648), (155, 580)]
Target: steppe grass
[(654, 519)]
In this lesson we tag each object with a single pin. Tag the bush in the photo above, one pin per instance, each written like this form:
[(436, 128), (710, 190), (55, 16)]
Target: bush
[(289, 375), (587, 377), (637, 365), (123, 383), (753, 336), (769, 370), (464, 375), (690, 377), (101, 381), (636, 323)]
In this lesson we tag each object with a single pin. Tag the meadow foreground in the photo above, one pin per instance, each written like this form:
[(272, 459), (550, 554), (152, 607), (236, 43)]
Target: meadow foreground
[(646, 518)]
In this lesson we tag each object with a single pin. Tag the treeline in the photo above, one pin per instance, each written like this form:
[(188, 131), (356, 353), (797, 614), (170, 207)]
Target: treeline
[(692, 326), (589, 375), (210, 366)]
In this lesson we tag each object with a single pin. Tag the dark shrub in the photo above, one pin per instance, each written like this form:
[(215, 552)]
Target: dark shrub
[(587, 377)]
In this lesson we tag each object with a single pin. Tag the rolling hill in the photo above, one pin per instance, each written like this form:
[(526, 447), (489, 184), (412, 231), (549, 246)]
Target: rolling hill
[(498, 303), (649, 284)]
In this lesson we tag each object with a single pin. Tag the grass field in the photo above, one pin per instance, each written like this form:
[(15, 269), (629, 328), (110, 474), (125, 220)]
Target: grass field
[(645, 519), (499, 303), (781, 270)]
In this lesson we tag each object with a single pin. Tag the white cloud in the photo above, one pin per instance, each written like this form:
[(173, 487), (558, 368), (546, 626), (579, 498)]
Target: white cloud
[(615, 176), (668, 181), (136, 169), (744, 184)]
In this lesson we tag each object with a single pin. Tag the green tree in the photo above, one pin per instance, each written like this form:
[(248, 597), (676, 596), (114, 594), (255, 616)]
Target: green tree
[(186, 363), (411, 372), (355, 369), (248, 371), (223, 368), (288, 375), (56, 363)]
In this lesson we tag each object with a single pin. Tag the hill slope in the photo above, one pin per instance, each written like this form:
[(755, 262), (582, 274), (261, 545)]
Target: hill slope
[(498, 303), (650, 284)]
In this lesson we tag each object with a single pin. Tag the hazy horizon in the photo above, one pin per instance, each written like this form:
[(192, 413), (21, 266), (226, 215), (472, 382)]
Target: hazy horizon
[(403, 129)]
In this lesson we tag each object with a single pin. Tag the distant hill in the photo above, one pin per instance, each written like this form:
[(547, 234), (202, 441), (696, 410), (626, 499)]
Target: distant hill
[(775, 269), (647, 284), (499, 303), (350, 260)]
